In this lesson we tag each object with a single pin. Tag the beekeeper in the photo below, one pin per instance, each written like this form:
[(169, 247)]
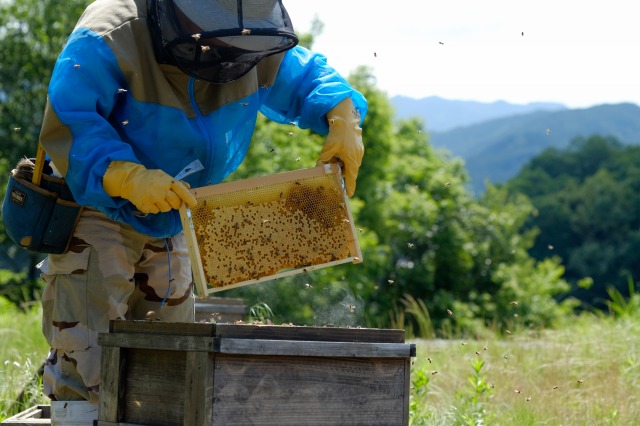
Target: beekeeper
[(140, 91)]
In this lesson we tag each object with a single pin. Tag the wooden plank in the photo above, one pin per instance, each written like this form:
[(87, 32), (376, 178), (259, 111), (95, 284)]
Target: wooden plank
[(199, 277), (270, 332), (329, 334), (111, 388), (198, 410), (407, 390), (240, 185), (155, 387), (162, 328), (318, 349), (36, 415), (311, 391), (150, 341)]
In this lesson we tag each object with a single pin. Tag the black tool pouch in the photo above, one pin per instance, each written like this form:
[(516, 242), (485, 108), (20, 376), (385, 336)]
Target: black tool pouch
[(39, 211)]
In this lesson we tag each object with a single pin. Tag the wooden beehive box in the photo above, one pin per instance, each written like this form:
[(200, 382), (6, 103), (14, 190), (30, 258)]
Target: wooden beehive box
[(156, 373), (268, 227)]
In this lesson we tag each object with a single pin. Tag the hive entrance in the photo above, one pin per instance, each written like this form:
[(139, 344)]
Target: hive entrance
[(269, 227)]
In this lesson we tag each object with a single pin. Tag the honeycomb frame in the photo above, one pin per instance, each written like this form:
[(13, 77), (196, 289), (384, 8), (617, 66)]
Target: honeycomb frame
[(264, 228)]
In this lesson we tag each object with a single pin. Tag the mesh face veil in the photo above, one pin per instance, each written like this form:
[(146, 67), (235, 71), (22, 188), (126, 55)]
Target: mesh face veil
[(219, 40)]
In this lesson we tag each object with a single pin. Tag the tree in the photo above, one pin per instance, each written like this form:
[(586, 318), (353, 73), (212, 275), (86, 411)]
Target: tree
[(588, 212), (32, 34)]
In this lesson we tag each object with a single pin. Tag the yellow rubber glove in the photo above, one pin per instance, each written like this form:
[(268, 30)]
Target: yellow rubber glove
[(344, 142), (151, 191)]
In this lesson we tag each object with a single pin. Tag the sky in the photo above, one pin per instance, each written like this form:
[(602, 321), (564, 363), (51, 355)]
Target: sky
[(578, 53)]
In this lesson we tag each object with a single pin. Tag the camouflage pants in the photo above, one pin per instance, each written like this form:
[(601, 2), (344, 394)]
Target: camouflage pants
[(110, 272)]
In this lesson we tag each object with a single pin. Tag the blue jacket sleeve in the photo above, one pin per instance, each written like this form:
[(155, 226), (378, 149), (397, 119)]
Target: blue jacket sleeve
[(306, 89), (83, 92)]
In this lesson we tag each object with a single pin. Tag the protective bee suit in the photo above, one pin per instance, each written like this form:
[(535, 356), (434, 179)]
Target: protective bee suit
[(141, 89)]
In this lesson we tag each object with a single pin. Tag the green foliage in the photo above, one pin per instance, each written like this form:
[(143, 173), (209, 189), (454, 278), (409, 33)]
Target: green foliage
[(429, 246), (418, 409), (260, 312), (32, 34), (621, 306), (22, 351), (587, 211), (471, 401)]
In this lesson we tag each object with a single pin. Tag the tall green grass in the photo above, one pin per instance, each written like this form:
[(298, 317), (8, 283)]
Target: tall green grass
[(585, 373), (22, 351)]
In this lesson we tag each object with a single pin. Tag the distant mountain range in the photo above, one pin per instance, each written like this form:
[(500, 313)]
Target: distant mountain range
[(495, 149), (441, 115)]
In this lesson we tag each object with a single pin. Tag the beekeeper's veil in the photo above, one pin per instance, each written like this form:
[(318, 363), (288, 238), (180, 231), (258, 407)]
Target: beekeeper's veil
[(219, 40)]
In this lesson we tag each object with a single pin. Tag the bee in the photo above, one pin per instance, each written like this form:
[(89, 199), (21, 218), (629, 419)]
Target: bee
[(449, 312), (580, 382), (125, 122), (308, 286), (290, 133), (351, 308), (205, 48), (508, 332), (516, 391), (244, 104), (375, 55), (447, 184), (429, 359), (17, 129), (246, 31), (441, 43), (548, 132), (411, 245), (122, 90), (390, 282), (550, 247), (433, 373), (477, 353), (514, 303), (76, 66), (195, 36), (463, 343), (528, 399), (360, 229), (555, 387)]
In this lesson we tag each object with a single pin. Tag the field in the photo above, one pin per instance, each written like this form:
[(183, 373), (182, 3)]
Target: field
[(584, 373)]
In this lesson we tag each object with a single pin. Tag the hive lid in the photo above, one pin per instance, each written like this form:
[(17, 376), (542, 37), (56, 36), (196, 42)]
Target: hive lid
[(263, 228)]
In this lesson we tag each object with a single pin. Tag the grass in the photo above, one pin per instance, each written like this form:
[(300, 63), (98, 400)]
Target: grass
[(586, 372), (22, 351)]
